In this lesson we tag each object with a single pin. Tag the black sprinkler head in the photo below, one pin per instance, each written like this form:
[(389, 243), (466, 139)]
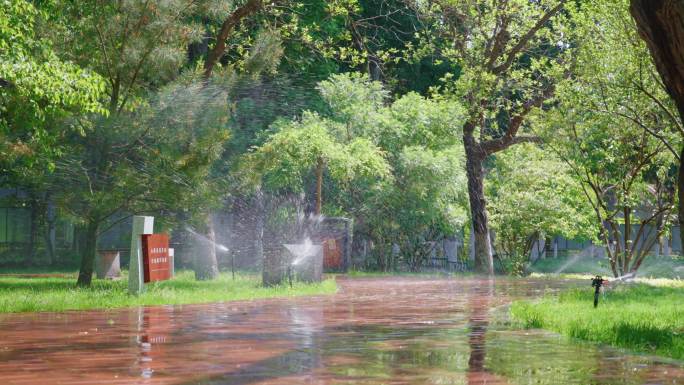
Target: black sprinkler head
[(596, 283)]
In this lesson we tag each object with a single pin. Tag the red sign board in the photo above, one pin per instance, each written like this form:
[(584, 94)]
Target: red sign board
[(332, 254), (156, 261)]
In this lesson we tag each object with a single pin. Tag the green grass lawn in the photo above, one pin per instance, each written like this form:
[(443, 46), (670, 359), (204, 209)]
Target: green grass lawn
[(19, 294), (639, 317)]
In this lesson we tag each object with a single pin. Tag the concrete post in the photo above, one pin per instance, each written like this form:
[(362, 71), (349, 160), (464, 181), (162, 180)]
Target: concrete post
[(141, 225), (172, 262), (666, 250), (456, 251), (534, 255)]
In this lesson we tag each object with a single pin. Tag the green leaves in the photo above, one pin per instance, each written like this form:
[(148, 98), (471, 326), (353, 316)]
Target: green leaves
[(294, 150), (398, 166), (134, 45), (38, 92), (510, 54), (534, 195)]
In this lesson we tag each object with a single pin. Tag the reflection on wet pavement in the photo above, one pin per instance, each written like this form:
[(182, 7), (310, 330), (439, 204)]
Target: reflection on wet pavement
[(375, 331)]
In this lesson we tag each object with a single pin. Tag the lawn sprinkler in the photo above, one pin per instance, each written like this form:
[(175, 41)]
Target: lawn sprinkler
[(596, 283), (289, 274)]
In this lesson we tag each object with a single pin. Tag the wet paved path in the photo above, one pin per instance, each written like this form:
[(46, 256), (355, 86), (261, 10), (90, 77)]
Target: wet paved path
[(375, 331)]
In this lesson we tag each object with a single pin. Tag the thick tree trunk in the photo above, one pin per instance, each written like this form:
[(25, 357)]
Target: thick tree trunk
[(661, 25), (206, 264), (627, 216), (484, 262), (85, 274)]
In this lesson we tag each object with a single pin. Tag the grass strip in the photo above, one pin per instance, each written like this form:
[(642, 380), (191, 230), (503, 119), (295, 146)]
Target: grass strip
[(22, 294), (639, 317)]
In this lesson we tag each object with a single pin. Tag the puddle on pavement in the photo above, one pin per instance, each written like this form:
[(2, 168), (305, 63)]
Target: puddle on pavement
[(375, 331)]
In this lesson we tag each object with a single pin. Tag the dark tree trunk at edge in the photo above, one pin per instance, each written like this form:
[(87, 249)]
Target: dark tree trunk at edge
[(661, 25)]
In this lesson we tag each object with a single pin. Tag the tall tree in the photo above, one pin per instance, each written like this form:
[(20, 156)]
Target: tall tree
[(511, 54), (206, 263), (40, 93), (117, 162), (624, 173), (626, 80), (613, 129)]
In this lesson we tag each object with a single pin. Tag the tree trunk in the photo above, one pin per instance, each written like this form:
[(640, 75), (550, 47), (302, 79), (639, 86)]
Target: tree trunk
[(229, 24), (661, 25), (484, 262), (627, 216), (85, 274), (206, 264)]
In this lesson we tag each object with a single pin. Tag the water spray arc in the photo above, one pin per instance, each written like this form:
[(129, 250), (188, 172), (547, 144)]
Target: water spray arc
[(307, 260), (217, 245)]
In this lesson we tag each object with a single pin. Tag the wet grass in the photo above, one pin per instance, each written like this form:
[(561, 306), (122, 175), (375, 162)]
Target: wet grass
[(72, 270), (22, 294), (657, 267), (640, 317)]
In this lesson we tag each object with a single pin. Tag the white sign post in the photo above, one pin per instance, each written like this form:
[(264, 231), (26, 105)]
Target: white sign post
[(172, 261), (141, 225)]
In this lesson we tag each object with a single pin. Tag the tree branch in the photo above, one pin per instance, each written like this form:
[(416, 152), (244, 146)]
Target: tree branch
[(509, 138), (251, 7), (660, 104), (510, 55)]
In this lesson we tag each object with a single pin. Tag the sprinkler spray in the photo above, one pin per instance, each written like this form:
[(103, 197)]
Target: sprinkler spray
[(596, 283)]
